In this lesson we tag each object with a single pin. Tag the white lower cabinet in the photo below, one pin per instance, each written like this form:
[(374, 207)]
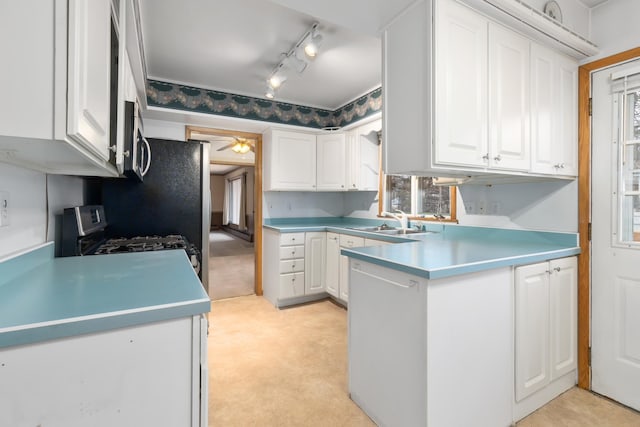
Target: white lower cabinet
[(545, 332), (333, 265), (293, 267), (121, 377), (315, 255)]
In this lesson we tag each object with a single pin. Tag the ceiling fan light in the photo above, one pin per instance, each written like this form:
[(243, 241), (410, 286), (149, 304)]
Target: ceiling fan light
[(241, 147)]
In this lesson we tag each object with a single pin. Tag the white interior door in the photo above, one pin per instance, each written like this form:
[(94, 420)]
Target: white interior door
[(615, 279)]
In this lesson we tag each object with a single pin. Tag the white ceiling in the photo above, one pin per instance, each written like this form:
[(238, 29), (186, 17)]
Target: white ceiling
[(233, 45), (593, 3)]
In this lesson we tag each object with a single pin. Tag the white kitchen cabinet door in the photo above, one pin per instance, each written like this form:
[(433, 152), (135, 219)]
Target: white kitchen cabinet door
[(564, 316), (543, 109), (363, 157), (289, 161), (546, 328), (461, 92), (531, 329), (331, 154), (509, 105), (88, 84), (567, 116), (332, 279), (554, 120), (315, 259), (406, 86)]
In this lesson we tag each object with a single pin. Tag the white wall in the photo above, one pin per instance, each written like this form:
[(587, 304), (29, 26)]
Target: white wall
[(293, 204), (614, 27), (164, 130), (550, 206), (27, 209), (29, 222), (361, 204), (217, 193)]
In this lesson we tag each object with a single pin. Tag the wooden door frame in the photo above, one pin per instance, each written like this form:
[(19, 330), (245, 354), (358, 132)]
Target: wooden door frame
[(257, 190), (584, 208)]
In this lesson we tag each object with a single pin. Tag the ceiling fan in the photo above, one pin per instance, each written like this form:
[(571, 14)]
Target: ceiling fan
[(239, 145)]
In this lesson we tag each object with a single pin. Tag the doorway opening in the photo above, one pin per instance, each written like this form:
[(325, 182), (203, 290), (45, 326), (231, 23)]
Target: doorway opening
[(235, 238)]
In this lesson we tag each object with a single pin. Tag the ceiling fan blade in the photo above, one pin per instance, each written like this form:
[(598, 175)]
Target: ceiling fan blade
[(226, 147)]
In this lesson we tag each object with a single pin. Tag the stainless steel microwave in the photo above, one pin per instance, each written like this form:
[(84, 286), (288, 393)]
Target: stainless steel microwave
[(136, 149)]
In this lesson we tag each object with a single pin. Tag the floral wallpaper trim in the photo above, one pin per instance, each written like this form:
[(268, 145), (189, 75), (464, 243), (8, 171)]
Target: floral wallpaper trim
[(187, 98)]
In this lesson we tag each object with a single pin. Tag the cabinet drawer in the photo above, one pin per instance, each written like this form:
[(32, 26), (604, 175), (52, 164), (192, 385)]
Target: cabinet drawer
[(351, 241), (291, 239), (291, 285), (292, 266), (290, 252)]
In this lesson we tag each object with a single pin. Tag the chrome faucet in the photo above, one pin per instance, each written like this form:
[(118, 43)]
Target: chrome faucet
[(403, 219)]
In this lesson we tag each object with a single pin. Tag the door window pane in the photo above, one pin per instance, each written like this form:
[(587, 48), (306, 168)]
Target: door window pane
[(629, 184)]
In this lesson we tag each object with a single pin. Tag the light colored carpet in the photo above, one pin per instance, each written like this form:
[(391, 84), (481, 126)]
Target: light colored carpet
[(288, 367), (225, 244), (231, 266), (272, 367)]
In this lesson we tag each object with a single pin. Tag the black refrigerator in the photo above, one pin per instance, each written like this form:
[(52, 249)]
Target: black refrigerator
[(173, 198)]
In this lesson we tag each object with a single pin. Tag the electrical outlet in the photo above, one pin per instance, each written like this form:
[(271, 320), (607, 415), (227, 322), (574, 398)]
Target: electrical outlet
[(4, 208), (482, 207)]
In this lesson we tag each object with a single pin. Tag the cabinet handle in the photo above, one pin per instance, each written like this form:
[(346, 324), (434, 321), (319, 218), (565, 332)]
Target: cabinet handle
[(353, 185), (497, 158), (293, 252), (557, 269), (485, 157), (561, 165), (293, 266)]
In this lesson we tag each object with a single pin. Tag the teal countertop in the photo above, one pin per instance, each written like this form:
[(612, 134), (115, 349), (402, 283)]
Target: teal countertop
[(43, 298), (446, 249)]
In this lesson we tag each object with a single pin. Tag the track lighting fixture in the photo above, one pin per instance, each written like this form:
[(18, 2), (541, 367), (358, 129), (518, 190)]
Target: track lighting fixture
[(296, 59)]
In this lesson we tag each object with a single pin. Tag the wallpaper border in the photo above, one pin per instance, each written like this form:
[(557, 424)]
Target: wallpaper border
[(188, 98)]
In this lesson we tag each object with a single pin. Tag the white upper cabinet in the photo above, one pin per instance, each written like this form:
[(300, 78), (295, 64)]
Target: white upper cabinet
[(88, 74), (554, 112), (334, 161), (56, 114), (331, 162), (363, 157), (289, 161), (461, 92), (462, 99), (508, 99)]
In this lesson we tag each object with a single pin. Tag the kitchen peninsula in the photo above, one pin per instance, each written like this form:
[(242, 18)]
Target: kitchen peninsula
[(445, 318), (102, 340)]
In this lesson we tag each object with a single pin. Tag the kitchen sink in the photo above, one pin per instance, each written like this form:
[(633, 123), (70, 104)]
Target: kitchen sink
[(389, 230)]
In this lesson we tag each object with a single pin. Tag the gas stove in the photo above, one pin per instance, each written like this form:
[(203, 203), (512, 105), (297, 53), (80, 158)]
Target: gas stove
[(83, 234)]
